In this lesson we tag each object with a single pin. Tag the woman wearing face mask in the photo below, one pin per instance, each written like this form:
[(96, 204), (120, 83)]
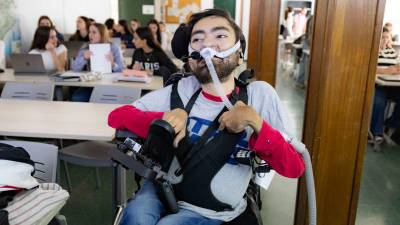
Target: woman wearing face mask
[(97, 34), (45, 43), (149, 57), (82, 30), (45, 21)]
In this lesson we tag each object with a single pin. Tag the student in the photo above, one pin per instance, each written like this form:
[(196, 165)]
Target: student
[(288, 23), (134, 24), (154, 27), (165, 37), (82, 29), (388, 58), (300, 21), (389, 27), (45, 21), (45, 43), (124, 33), (261, 122), (97, 34), (149, 57), (110, 24)]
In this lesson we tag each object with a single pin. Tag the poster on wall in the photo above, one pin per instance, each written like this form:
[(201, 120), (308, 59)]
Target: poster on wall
[(177, 11), (10, 35)]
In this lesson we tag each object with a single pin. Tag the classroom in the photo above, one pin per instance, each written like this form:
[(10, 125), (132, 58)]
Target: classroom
[(185, 112)]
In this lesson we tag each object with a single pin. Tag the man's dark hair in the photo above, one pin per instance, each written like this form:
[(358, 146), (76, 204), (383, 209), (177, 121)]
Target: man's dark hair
[(182, 35), (196, 17)]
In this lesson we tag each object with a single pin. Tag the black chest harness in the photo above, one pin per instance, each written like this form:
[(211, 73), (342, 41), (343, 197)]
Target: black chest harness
[(202, 160)]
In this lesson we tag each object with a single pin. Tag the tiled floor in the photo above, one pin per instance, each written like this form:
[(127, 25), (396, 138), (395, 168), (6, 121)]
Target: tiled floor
[(379, 202)]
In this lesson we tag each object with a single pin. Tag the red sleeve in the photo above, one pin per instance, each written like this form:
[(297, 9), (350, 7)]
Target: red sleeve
[(280, 155), (135, 120)]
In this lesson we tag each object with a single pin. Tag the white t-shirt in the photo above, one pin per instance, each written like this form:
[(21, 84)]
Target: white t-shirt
[(49, 64)]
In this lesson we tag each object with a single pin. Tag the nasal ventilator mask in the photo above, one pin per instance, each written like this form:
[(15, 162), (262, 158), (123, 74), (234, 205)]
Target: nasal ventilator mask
[(207, 54)]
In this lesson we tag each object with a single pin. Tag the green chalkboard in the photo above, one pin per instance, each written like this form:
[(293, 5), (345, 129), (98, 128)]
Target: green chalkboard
[(228, 5), (132, 9)]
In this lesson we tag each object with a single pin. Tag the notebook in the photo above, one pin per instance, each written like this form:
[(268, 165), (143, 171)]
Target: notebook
[(142, 79)]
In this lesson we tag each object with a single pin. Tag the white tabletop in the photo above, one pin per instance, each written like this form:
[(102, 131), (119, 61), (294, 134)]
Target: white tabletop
[(108, 79), (381, 82), (59, 120)]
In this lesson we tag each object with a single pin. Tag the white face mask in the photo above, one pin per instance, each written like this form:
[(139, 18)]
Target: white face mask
[(208, 54)]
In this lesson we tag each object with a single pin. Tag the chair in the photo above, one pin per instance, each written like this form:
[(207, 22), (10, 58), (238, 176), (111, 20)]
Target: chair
[(28, 91), (95, 153), (45, 157), (114, 95)]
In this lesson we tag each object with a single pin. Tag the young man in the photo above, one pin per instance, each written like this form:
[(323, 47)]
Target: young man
[(259, 124)]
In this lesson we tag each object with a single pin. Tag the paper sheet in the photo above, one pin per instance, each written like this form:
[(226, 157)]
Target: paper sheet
[(98, 60)]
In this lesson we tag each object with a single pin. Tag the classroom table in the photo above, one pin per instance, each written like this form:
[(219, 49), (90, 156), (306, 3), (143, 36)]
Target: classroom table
[(62, 120), (107, 79), (381, 82)]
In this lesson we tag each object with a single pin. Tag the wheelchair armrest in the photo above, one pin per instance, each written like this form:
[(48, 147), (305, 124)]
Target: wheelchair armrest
[(125, 134)]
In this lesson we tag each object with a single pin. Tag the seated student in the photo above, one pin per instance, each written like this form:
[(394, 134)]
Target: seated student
[(154, 27), (149, 57), (97, 34), (134, 24), (166, 37), (45, 21), (45, 43), (125, 34), (110, 24), (388, 58), (82, 29), (255, 126)]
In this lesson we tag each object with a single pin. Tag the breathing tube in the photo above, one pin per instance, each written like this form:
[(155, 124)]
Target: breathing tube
[(207, 54)]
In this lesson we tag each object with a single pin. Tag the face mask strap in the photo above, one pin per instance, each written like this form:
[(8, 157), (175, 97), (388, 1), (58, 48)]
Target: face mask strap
[(222, 54)]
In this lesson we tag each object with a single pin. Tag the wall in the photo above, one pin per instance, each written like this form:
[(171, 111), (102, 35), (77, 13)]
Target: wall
[(62, 12), (392, 14), (129, 9), (228, 5)]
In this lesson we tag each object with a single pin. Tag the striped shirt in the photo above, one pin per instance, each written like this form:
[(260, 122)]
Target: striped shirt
[(32, 206), (387, 57)]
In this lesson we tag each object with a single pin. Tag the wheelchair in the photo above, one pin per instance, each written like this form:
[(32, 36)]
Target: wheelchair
[(133, 153)]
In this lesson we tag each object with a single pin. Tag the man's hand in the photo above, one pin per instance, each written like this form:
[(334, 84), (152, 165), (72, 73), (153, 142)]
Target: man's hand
[(178, 119), (242, 115)]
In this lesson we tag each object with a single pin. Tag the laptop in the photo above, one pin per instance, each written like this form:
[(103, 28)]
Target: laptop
[(73, 47), (25, 64)]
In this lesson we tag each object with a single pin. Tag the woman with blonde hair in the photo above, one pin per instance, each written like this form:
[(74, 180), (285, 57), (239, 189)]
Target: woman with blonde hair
[(97, 34)]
